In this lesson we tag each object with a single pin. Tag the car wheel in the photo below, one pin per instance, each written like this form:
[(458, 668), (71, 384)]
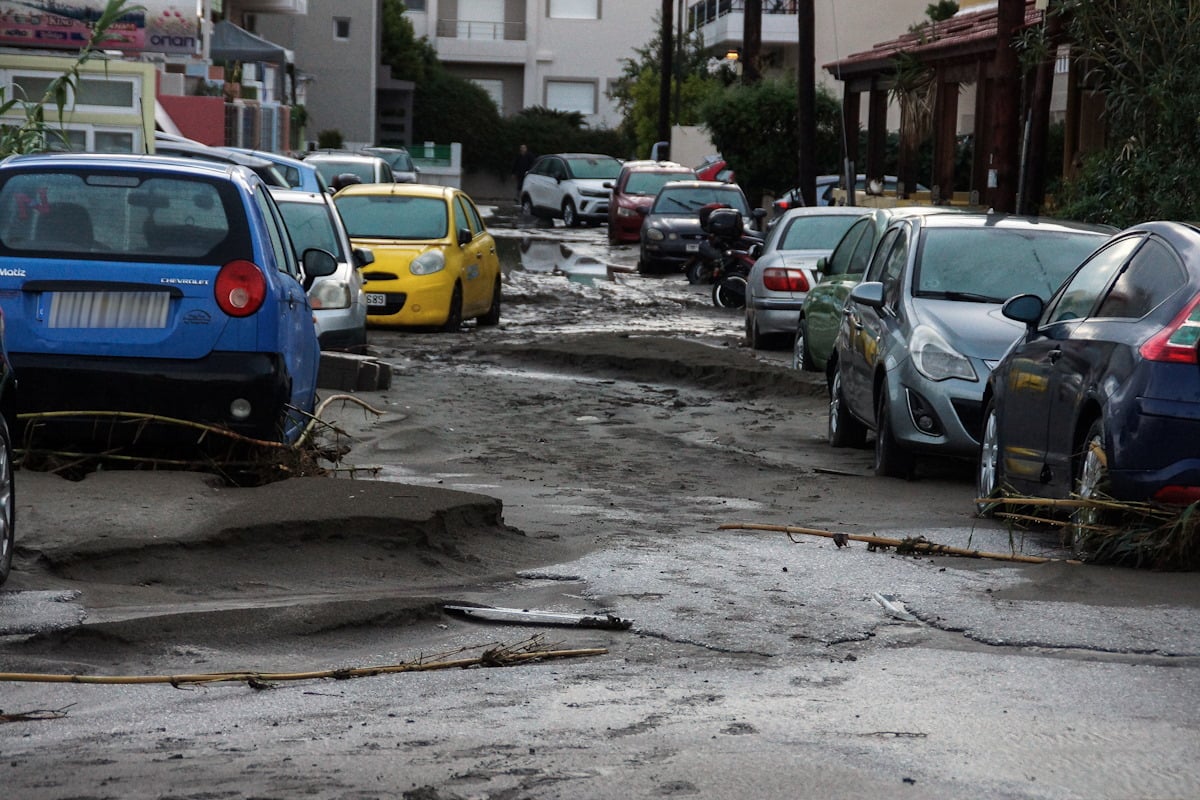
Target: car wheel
[(989, 473), (646, 266), (569, 216), (844, 430), (1091, 483), (492, 317), (694, 269), (801, 356), (454, 317), (8, 503), (892, 459), (527, 206)]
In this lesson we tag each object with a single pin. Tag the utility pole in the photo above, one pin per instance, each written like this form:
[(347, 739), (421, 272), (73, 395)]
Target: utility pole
[(806, 102), (664, 87), (752, 42), (1003, 166)]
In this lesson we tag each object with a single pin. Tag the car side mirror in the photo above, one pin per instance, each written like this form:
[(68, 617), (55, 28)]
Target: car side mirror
[(608, 184), (317, 263), (464, 236), (868, 294), (363, 257), (756, 250), (1025, 308), (822, 265)]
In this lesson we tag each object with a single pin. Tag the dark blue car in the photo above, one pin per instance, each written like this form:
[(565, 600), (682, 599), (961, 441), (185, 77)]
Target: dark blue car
[(156, 285), (1102, 392)]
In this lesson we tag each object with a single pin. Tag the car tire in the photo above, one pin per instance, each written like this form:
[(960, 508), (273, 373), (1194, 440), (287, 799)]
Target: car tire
[(454, 317), (801, 356), (1091, 481), (8, 503), (570, 216), (492, 317), (527, 206), (646, 266), (989, 471), (892, 459), (843, 429)]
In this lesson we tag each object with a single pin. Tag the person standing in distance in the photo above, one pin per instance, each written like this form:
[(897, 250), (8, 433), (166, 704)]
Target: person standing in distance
[(521, 165)]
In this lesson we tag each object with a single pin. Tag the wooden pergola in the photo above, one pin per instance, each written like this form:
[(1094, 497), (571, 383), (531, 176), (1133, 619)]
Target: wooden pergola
[(963, 50)]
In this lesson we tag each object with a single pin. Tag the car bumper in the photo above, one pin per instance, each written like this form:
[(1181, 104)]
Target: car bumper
[(1155, 447), (422, 301), (593, 209), (950, 412), (201, 391), (339, 329), (776, 315), (676, 251)]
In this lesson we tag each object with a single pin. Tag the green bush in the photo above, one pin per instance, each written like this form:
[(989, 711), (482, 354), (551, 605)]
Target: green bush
[(330, 140)]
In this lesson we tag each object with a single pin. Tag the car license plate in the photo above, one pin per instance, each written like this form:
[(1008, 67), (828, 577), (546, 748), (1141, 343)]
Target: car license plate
[(376, 299), (692, 248), (108, 309)]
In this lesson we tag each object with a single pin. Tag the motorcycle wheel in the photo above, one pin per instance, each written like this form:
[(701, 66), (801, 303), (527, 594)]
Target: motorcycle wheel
[(730, 292)]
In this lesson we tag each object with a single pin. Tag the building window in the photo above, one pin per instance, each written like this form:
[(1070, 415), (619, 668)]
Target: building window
[(415, 5), (481, 19), (341, 28), (102, 94), (571, 96), (494, 88), (574, 9)]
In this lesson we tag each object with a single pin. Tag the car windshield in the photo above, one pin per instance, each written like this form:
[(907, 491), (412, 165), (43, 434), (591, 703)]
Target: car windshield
[(593, 168), (650, 182), (310, 225), (369, 216), (815, 233), (684, 201), (990, 265), (122, 216)]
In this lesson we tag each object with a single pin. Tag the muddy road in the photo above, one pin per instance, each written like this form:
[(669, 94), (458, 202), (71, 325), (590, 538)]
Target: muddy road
[(580, 458)]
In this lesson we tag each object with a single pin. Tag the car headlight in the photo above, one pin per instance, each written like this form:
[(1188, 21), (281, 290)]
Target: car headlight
[(654, 235), (624, 211), (428, 263), (329, 294), (936, 359)]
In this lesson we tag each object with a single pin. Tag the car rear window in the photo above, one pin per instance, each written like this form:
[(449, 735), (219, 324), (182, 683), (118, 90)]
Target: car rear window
[(364, 171), (370, 216), (816, 233), (123, 216), (651, 182), (310, 225)]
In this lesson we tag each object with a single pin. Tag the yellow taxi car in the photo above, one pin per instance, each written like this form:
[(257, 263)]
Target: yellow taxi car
[(435, 262)]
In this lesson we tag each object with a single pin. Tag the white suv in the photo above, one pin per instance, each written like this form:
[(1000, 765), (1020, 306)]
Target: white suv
[(569, 186)]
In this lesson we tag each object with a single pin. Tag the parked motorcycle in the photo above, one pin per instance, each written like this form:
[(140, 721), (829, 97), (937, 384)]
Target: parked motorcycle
[(731, 251)]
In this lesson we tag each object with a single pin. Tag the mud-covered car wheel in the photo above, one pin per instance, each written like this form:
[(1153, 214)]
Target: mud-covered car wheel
[(844, 430), (8, 503)]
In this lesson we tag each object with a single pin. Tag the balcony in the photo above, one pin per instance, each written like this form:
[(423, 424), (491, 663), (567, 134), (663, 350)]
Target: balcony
[(721, 23), (481, 41)]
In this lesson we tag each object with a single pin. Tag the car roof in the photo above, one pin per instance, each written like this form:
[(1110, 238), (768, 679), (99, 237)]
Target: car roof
[(403, 189), (979, 219), (298, 195), (348, 158), (578, 155), (195, 166), (727, 186), (825, 211)]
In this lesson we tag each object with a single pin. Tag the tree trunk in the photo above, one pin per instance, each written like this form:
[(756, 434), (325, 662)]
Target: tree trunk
[(806, 103), (1004, 160), (752, 42)]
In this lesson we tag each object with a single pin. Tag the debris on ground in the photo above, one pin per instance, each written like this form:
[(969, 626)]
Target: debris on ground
[(526, 616)]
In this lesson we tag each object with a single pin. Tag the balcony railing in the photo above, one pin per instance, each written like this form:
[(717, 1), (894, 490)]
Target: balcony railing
[(455, 28), (706, 11)]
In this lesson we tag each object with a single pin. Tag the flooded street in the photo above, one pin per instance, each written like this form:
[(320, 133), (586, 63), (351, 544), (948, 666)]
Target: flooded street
[(593, 455)]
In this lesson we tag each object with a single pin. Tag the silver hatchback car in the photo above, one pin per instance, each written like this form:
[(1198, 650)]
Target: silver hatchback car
[(338, 302)]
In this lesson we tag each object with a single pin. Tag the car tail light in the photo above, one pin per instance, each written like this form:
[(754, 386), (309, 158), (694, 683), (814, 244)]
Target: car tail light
[(778, 279), (1179, 342), (783, 205), (241, 288), (1178, 495)]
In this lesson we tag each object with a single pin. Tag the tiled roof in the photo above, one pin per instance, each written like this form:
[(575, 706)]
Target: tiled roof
[(968, 32)]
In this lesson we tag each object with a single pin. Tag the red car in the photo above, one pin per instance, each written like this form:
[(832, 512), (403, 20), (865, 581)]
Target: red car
[(635, 188), (715, 168)]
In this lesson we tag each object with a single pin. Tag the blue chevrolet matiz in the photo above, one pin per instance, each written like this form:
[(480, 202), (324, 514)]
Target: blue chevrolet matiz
[(155, 285)]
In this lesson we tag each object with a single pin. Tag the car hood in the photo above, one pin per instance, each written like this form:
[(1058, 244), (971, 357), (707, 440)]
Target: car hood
[(977, 330), (685, 224), (393, 254), (593, 184)]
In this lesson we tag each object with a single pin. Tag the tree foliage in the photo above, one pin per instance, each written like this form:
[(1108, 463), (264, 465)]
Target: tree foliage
[(754, 128), (34, 132), (1143, 58)]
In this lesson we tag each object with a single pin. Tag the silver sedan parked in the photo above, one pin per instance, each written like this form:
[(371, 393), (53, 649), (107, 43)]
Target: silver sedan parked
[(786, 269)]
